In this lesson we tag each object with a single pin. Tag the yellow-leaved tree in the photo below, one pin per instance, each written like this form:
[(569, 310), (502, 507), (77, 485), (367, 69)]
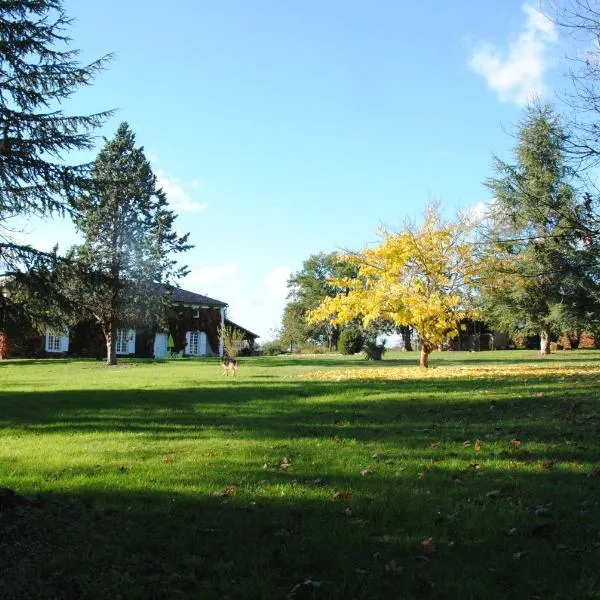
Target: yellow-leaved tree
[(421, 276)]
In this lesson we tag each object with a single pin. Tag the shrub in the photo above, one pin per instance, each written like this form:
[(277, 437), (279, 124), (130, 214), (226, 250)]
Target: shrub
[(312, 349), (350, 342), (373, 350), (232, 339), (4, 346), (272, 348)]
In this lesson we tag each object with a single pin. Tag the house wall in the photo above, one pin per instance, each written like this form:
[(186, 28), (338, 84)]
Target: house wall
[(181, 319), (86, 339)]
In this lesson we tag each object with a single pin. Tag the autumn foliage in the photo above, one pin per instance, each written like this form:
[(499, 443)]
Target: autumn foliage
[(4, 346), (420, 276)]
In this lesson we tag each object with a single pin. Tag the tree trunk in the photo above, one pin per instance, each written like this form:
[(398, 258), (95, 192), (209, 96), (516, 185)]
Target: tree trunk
[(405, 333), (424, 360), (111, 355), (544, 341), (574, 338)]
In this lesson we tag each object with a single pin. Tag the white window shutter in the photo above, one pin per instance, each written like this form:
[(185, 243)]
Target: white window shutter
[(131, 341), (202, 343), (64, 343), (187, 342), (48, 333)]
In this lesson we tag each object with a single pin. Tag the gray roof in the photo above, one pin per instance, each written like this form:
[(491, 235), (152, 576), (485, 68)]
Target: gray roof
[(185, 297), (246, 331)]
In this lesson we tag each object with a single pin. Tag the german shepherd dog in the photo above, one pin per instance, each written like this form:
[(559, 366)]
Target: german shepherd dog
[(229, 366)]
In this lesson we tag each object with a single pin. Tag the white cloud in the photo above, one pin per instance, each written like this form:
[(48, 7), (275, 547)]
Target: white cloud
[(179, 199), (517, 75), (201, 279), (276, 283), (478, 211)]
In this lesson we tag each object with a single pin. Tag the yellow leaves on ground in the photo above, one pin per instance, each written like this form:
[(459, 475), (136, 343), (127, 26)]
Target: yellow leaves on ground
[(467, 372)]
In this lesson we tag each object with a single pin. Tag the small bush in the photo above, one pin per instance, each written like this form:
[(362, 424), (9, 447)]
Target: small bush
[(350, 342), (272, 348), (312, 349), (373, 350)]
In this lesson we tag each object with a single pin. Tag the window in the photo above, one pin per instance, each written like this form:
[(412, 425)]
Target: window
[(52, 342), (125, 343), (57, 341), (193, 343), (196, 313)]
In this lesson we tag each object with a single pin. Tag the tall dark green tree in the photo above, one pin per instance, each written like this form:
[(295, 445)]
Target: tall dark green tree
[(540, 270), (38, 72), (128, 259), (307, 289)]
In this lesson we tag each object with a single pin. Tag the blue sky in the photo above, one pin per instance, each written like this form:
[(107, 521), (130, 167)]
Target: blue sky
[(280, 129)]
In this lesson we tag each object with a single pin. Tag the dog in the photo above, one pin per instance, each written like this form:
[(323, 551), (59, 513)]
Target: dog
[(229, 366)]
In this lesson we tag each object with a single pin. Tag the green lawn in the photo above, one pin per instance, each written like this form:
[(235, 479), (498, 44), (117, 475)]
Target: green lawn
[(304, 477)]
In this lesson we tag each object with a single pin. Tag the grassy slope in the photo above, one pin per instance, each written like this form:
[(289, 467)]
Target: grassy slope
[(168, 480)]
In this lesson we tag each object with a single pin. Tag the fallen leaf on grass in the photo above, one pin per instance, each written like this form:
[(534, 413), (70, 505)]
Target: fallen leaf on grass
[(433, 445), (376, 457), (477, 446), (493, 494), (420, 475), (515, 442), (543, 510), (524, 455), (367, 471), (307, 584), (342, 495), (284, 464), (170, 458), (457, 480), (428, 546), (228, 491), (547, 466), (466, 443)]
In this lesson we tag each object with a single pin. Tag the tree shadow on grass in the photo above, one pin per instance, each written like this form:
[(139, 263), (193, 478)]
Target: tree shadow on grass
[(384, 538), (521, 418), (456, 488)]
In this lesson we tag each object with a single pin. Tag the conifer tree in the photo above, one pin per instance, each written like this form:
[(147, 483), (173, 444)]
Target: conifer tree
[(538, 264), (38, 72), (126, 262)]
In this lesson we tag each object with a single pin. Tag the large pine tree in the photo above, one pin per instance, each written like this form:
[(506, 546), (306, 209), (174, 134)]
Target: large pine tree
[(126, 262), (38, 72), (537, 262)]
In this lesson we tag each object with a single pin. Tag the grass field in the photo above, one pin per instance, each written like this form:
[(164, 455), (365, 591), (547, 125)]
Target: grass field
[(305, 477)]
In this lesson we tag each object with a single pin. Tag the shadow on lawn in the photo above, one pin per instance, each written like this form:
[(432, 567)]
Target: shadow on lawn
[(433, 517), (413, 414), (430, 539)]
